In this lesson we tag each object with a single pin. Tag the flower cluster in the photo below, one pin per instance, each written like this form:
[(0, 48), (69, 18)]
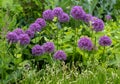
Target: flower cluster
[(77, 12), (12, 37), (60, 55), (108, 17), (41, 22), (48, 15), (37, 50), (35, 27), (24, 39), (85, 43), (98, 25), (49, 47), (18, 31), (105, 41), (64, 17), (56, 12), (30, 33)]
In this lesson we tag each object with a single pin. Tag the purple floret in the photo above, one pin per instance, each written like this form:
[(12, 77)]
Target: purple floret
[(24, 39), (98, 25), (60, 55), (64, 17), (41, 22), (48, 14), (49, 47), (35, 27), (77, 12), (57, 11), (108, 17), (105, 41), (85, 43), (87, 18), (37, 50), (12, 37), (30, 33), (18, 31)]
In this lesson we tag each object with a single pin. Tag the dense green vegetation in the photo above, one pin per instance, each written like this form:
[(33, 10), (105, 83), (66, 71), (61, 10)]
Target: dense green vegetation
[(99, 65)]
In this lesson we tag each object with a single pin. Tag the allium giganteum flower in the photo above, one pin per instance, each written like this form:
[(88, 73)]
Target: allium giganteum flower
[(30, 33), (35, 27), (77, 12), (60, 55), (48, 14), (24, 39), (49, 47), (12, 37), (18, 31), (105, 41), (97, 24), (37, 50), (87, 18), (57, 11), (41, 22), (85, 43), (64, 17), (108, 17)]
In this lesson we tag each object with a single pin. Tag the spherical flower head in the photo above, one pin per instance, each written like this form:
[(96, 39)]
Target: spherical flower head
[(77, 12), (57, 11), (105, 41), (108, 17), (85, 43), (64, 17), (98, 25), (12, 37), (41, 22), (48, 15), (87, 18), (35, 27), (24, 39), (37, 50), (49, 47), (18, 31), (60, 55), (30, 33)]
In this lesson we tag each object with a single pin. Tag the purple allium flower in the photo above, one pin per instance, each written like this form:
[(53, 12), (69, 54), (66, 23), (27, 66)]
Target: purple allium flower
[(35, 27), (12, 37), (87, 18), (85, 43), (57, 11), (98, 25), (37, 50), (30, 33), (48, 14), (77, 12), (60, 55), (18, 31), (105, 41), (108, 17), (49, 47), (64, 17), (24, 39), (41, 22)]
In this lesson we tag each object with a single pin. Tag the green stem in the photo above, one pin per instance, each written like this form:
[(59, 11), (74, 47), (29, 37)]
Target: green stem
[(103, 58), (57, 36), (62, 37)]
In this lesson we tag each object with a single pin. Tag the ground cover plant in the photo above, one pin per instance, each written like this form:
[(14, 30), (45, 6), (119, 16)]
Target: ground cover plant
[(75, 46)]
